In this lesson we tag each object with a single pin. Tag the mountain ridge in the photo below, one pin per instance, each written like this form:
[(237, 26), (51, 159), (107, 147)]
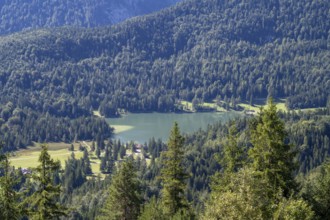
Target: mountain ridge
[(21, 15)]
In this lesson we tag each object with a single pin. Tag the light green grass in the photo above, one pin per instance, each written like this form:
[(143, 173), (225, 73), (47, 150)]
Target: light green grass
[(187, 106), (121, 128), (97, 114), (308, 109), (29, 157), (281, 107), (214, 106), (280, 104), (249, 107)]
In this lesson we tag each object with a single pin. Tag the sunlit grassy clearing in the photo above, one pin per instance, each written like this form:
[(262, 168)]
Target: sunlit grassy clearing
[(280, 104), (214, 106), (187, 105), (29, 157), (307, 109), (97, 113), (121, 128)]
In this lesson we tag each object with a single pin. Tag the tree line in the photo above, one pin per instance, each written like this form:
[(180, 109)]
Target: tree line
[(20, 127)]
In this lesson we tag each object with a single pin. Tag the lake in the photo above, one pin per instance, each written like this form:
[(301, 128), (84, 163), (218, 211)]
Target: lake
[(141, 127)]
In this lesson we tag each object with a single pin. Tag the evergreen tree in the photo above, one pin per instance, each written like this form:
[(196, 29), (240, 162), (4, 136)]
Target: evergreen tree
[(9, 206), (43, 203), (262, 189), (110, 163), (245, 197), (232, 158), (71, 148), (124, 195), (86, 163), (122, 151), (103, 164), (152, 211), (271, 156), (316, 190), (173, 174), (98, 152)]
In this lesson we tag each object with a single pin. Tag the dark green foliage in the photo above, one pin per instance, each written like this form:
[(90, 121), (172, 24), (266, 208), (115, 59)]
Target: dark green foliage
[(10, 208), (196, 51), (263, 187), (86, 164), (310, 132), (173, 175), (107, 161), (44, 202), (152, 210), (21, 15), (86, 200), (71, 148), (32, 126), (271, 156), (316, 190), (202, 146), (75, 172), (122, 151), (124, 199), (232, 154)]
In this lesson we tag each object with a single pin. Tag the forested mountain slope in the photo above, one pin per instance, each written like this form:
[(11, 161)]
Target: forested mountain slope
[(23, 15), (198, 51)]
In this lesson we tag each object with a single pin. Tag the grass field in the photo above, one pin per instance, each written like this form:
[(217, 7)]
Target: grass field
[(29, 157), (280, 104)]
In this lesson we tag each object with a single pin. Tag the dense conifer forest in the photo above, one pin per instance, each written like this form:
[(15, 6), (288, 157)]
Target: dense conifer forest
[(21, 15), (55, 80), (198, 51)]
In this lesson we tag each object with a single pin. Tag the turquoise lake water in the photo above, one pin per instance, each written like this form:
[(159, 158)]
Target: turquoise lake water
[(144, 126)]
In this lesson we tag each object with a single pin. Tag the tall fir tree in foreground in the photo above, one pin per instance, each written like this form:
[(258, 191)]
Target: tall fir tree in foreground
[(173, 175), (124, 198), (10, 208), (44, 202), (264, 188), (232, 159), (271, 156)]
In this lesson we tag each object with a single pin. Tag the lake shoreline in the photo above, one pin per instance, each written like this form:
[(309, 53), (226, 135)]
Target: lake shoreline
[(140, 127)]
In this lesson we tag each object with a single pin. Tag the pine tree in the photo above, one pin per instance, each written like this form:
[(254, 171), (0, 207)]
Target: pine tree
[(124, 195), (173, 174), (262, 188), (270, 155), (9, 205), (43, 203), (232, 158), (122, 151), (152, 211), (86, 163)]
